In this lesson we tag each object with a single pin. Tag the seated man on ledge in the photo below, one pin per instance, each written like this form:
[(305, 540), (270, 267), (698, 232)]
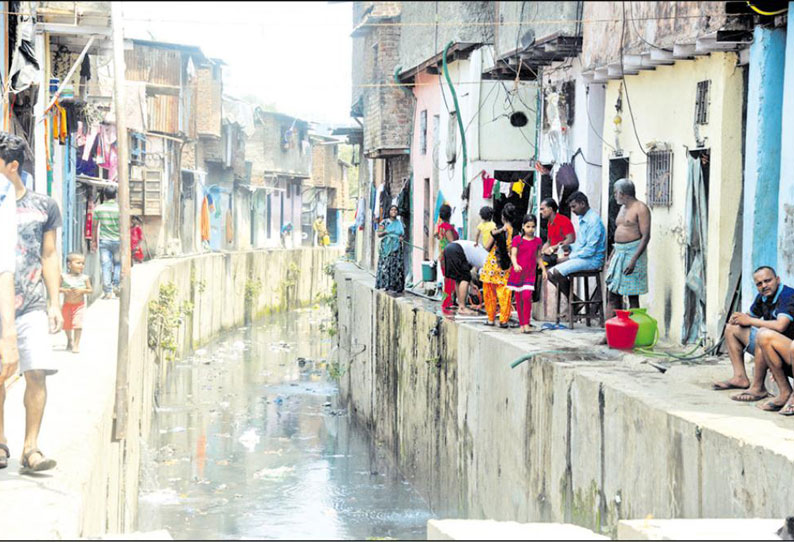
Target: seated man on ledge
[(587, 253), (559, 230), (772, 311)]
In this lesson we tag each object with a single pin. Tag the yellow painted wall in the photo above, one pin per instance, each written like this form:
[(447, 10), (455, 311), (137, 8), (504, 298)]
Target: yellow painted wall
[(663, 103)]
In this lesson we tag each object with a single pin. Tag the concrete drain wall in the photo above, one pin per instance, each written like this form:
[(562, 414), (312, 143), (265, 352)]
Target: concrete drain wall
[(560, 438)]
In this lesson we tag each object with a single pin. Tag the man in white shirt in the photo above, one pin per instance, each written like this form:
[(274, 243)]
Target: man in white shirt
[(459, 258)]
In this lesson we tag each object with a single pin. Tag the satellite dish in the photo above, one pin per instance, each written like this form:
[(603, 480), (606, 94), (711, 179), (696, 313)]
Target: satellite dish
[(528, 38), (518, 119)]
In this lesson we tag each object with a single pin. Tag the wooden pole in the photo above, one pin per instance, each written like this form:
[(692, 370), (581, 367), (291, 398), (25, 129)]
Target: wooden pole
[(122, 361)]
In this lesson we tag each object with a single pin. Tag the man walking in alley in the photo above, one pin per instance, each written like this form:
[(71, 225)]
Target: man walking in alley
[(9, 355), (587, 253), (627, 272), (106, 230), (772, 309), (36, 283)]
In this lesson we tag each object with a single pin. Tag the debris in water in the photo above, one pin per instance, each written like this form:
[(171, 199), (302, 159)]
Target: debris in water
[(272, 473), (249, 439), (326, 404)]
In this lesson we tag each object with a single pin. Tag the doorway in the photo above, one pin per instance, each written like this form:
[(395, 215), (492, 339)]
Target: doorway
[(618, 169)]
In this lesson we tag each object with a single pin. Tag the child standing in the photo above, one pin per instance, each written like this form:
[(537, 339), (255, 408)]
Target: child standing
[(74, 286), (526, 257), (485, 226), (445, 233), (136, 234), (496, 270)]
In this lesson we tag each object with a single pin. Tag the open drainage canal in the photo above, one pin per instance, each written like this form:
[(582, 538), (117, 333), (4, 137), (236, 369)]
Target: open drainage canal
[(248, 441)]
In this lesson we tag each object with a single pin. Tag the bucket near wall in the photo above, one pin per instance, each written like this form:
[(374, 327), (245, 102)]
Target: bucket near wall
[(428, 271)]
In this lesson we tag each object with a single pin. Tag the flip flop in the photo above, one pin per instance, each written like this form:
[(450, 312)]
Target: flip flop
[(750, 397), (4, 460), (787, 410), (45, 463), (770, 406), (720, 386)]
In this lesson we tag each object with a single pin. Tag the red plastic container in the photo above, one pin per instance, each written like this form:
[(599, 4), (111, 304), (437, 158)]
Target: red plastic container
[(621, 331)]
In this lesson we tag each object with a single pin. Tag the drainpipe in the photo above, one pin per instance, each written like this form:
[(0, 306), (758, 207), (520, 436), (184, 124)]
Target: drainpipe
[(460, 127)]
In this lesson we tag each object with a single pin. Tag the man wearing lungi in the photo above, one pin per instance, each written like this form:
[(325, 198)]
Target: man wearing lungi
[(627, 272)]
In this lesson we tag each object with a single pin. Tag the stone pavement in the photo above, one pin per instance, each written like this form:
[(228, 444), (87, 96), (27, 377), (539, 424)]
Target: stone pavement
[(47, 505)]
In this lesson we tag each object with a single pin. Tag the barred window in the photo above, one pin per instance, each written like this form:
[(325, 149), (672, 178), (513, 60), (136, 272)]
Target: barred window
[(702, 100), (660, 178)]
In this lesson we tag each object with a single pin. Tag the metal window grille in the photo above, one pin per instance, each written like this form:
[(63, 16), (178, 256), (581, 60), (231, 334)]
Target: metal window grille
[(702, 102), (660, 177)]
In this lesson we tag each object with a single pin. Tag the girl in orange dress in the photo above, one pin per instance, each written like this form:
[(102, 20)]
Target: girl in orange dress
[(495, 272)]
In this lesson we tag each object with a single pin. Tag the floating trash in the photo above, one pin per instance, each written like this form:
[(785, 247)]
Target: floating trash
[(249, 439), (273, 473)]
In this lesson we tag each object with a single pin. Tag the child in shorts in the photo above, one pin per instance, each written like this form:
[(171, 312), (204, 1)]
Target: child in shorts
[(74, 287)]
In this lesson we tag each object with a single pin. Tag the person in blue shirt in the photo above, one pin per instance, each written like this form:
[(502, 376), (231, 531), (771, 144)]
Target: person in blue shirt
[(765, 332), (587, 253)]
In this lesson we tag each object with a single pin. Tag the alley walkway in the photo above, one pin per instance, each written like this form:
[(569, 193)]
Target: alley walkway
[(46, 506)]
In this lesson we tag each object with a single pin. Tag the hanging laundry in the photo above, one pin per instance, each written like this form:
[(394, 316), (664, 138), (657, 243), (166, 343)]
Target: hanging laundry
[(518, 187), (229, 224), (360, 210), (487, 185), (205, 219), (90, 141)]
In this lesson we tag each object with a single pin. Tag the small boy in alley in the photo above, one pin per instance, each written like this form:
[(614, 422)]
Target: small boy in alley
[(74, 287)]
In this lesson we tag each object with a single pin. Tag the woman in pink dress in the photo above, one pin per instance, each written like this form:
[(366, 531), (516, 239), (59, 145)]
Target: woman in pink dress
[(526, 257)]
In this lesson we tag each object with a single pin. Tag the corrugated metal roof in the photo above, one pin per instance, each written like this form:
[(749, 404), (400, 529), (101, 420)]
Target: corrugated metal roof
[(154, 65)]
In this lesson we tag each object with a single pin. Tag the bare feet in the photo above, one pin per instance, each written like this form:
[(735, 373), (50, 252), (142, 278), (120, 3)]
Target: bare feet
[(75, 350), (68, 346), (463, 311), (603, 340)]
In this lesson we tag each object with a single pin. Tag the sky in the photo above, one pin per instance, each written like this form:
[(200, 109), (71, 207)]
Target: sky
[(295, 55)]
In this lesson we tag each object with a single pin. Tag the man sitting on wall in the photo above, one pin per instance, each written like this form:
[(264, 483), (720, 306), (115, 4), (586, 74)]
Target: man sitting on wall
[(587, 253), (773, 310), (560, 231)]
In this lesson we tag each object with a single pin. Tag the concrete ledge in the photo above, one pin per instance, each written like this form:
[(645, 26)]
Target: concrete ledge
[(472, 529), (699, 529), (94, 488), (577, 434)]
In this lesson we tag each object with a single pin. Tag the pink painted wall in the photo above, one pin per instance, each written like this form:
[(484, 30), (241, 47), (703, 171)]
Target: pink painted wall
[(428, 98)]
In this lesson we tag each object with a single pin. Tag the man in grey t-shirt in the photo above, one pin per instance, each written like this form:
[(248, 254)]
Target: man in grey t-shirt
[(36, 284)]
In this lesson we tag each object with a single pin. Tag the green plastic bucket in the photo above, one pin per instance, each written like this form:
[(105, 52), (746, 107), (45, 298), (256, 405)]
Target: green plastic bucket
[(428, 271)]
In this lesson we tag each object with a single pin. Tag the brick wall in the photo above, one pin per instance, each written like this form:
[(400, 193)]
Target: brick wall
[(264, 150)]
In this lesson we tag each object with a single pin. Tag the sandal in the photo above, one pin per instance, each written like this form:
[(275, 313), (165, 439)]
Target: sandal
[(770, 406), (787, 410), (748, 397), (4, 460), (43, 464)]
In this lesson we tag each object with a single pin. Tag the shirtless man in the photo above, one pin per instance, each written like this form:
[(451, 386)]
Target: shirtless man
[(627, 273)]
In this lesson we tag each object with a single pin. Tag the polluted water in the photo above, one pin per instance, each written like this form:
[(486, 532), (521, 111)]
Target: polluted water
[(249, 440)]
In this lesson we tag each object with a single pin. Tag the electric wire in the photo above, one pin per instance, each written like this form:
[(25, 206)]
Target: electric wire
[(623, 77)]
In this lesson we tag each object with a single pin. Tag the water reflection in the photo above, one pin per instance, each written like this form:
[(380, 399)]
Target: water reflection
[(248, 441)]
